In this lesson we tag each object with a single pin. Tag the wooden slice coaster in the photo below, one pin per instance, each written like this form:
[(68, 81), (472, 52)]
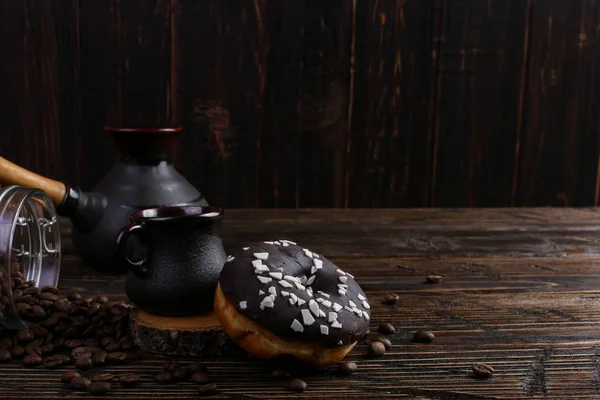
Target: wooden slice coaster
[(199, 336)]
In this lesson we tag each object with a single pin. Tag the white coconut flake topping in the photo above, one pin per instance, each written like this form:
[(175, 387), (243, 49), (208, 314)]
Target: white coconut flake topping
[(323, 294), (303, 280), (230, 259), (366, 305), (299, 286), (313, 270), (243, 305), (276, 275), (331, 316), (291, 278), (308, 253), (277, 243), (273, 291), (340, 343), (279, 269), (288, 241), (326, 303), (283, 283), (309, 292), (337, 307), (300, 301), (264, 279), (245, 248), (348, 308), (320, 300), (260, 292), (268, 242), (257, 263), (342, 285), (310, 280), (261, 256), (361, 297), (336, 324), (307, 318), (324, 329), (342, 292), (318, 263), (285, 244), (297, 326), (352, 304), (322, 314), (357, 311), (291, 302), (284, 293), (365, 315), (314, 307), (339, 271), (343, 279), (294, 297)]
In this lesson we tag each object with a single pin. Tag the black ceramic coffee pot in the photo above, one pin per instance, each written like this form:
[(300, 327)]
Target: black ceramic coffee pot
[(142, 177)]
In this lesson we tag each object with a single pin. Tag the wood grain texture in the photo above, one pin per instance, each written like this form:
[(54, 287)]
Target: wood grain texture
[(343, 103), (520, 291)]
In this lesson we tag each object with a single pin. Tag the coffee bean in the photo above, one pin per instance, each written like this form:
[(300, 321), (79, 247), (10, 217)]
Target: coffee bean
[(91, 342), (17, 351), (170, 365), (423, 337), (197, 367), (103, 377), (200, 377), (347, 367), (83, 362), (482, 370), (81, 303), (207, 390), (17, 293), (74, 296), (50, 322), (80, 352), (386, 329), (106, 341), (92, 349), (163, 377), (116, 357), (113, 347), (386, 342), (30, 290), (376, 349), (67, 376), (101, 299), (99, 387), (126, 343), (297, 385), (32, 360), (433, 279), (280, 374), (26, 299), (5, 355), (33, 347), (79, 382), (58, 341), (93, 309), (47, 304), (38, 312), (48, 296), (53, 362), (50, 289), (391, 298), (23, 307), (181, 374), (129, 379), (46, 349), (72, 343), (39, 331), (99, 358), (62, 305), (5, 342)]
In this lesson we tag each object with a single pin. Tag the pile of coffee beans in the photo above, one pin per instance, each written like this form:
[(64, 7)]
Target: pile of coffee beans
[(174, 372)]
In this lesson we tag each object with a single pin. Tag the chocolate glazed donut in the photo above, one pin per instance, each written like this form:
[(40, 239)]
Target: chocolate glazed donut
[(276, 298)]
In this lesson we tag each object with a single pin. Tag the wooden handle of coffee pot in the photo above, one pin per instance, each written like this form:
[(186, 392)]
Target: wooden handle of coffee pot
[(12, 174)]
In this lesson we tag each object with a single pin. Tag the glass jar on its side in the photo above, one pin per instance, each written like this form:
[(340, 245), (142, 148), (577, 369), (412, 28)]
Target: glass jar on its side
[(29, 250)]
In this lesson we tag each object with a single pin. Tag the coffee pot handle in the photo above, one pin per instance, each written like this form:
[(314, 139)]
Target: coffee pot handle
[(139, 267), (12, 174)]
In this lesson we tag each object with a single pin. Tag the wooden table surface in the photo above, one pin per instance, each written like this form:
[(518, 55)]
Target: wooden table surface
[(521, 292)]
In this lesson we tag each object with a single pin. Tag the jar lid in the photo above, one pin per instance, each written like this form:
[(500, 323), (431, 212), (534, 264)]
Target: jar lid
[(29, 235)]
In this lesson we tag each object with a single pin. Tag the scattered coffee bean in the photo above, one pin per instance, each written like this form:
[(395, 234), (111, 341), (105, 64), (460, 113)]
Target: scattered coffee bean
[(163, 377), (67, 376), (53, 362), (482, 370), (170, 365), (297, 385), (50, 289), (129, 379), (31, 360), (74, 296), (200, 377), (33, 347), (48, 296), (181, 374), (386, 342), (46, 349), (79, 382), (196, 367), (99, 387), (391, 298), (73, 343), (103, 377), (26, 335), (433, 279), (99, 358), (113, 347), (376, 349), (31, 290), (46, 304), (347, 367), (5, 355), (80, 352), (116, 357), (207, 390), (386, 329), (83, 363), (280, 374), (17, 351), (423, 337), (65, 358)]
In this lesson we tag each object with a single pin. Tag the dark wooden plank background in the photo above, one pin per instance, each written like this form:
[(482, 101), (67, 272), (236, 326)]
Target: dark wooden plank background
[(338, 103)]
